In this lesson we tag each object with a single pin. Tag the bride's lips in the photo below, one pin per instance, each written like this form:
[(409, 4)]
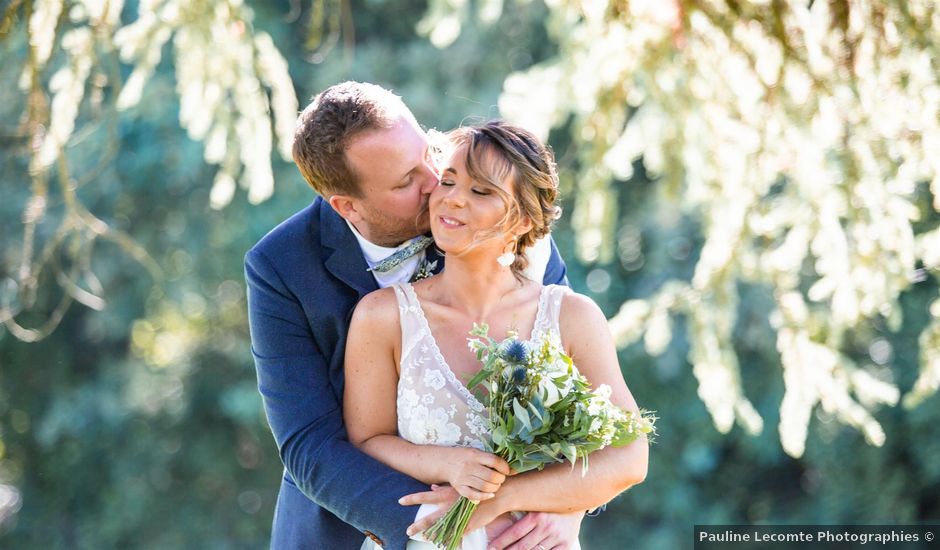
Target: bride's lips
[(449, 222)]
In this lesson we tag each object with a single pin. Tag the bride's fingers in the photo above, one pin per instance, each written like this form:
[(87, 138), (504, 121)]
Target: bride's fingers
[(473, 494), (488, 475), (495, 463), (486, 486), (480, 478), (481, 482)]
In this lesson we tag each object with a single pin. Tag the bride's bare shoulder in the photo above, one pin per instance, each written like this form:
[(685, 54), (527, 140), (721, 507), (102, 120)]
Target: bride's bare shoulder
[(575, 306), (581, 320)]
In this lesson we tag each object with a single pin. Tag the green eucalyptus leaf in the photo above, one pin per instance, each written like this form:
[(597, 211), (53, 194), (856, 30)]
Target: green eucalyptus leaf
[(521, 413)]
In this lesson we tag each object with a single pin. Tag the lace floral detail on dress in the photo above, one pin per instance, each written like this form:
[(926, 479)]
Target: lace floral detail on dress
[(434, 378), (434, 407), (433, 427), (546, 321)]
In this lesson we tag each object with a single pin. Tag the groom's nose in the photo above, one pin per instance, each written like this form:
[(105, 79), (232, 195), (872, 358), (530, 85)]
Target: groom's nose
[(429, 181)]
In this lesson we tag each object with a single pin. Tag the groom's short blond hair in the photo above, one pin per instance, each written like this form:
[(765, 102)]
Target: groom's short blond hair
[(328, 125)]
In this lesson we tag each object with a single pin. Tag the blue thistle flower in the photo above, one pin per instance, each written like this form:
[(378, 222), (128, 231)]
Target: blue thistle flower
[(516, 352), (518, 375)]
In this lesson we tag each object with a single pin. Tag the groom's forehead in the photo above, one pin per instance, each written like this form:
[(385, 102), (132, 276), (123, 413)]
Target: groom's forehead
[(384, 156)]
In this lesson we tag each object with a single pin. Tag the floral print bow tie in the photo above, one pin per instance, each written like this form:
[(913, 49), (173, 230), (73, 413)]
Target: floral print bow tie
[(393, 261)]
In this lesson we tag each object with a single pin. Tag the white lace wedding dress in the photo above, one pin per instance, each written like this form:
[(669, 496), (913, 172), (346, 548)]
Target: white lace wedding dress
[(434, 407)]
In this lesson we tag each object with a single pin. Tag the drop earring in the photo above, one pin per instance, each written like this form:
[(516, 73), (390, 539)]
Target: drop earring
[(508, 257)]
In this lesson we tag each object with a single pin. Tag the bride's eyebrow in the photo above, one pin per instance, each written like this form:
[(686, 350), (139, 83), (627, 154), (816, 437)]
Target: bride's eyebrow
[(451, 170)]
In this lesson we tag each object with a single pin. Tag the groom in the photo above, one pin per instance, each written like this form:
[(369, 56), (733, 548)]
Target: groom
[(363, 152)]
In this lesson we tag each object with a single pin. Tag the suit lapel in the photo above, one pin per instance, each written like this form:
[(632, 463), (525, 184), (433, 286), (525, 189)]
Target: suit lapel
[(345, 261)]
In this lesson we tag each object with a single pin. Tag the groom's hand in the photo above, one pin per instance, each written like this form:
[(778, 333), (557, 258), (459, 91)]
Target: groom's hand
[(442, 496), (540, 530)]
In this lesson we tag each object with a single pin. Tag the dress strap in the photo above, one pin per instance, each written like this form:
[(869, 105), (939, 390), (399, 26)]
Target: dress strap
[(547, 321), (409, 315)]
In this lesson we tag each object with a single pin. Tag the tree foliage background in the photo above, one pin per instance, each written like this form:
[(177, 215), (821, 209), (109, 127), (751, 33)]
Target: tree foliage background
[(751, 193)]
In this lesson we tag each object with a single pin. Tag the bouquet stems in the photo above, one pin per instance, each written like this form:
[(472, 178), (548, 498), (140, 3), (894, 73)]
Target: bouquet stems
[(448, 531)]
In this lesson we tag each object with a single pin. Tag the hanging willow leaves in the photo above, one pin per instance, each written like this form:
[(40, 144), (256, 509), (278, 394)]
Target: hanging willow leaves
[(796, 134), (236, 96)]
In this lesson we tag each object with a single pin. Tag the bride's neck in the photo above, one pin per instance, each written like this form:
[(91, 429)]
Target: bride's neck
[(475, 288)]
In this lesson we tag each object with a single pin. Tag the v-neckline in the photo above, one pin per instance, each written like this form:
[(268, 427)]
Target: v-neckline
[(442, 361)]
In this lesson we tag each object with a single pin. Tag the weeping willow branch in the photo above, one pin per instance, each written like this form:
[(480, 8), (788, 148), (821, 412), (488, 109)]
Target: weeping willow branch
[(830, 104), (798, 135), (235, 92)]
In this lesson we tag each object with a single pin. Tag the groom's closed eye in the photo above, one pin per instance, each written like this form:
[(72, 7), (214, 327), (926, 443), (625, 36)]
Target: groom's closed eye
[(408, 180)]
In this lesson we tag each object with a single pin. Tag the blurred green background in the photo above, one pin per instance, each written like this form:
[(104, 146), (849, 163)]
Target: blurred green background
[(136, 422)]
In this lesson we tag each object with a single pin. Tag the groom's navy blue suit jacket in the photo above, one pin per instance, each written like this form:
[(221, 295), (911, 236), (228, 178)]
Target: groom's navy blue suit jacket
[(304, 280)]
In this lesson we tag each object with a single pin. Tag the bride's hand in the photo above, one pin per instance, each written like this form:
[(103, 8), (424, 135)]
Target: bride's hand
[(475, 474)]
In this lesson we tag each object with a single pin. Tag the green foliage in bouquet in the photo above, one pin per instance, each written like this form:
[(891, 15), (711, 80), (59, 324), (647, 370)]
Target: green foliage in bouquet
[(541, 410)]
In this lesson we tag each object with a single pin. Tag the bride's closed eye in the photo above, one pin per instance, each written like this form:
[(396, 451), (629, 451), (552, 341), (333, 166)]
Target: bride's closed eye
[(474, 190)]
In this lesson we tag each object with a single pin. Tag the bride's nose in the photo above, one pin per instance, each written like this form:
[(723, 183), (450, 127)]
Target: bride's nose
[(454, 198)]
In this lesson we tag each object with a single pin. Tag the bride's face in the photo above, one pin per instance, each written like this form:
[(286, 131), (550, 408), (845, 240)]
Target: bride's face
[(465, 211)]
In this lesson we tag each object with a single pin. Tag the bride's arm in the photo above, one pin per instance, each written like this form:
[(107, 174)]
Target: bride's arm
[(370, 412), (561, 488)]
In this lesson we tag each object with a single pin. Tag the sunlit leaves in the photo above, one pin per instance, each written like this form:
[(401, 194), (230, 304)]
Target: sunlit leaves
[(442, 21), (224, 72), (68, 85), (235, 94), (798, 134), (42, 29), (833, 107)]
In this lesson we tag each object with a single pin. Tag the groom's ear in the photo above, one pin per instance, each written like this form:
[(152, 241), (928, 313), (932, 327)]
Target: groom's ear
[(346, 207)]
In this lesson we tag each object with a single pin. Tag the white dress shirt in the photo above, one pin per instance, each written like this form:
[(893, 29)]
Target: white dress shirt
[(374, 254)]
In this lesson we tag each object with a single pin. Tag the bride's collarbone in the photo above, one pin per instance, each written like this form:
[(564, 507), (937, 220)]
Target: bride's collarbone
[(450, 321), (451, 327), (513, 309)]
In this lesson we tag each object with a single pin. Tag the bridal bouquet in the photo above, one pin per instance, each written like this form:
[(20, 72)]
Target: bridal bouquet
[(541, 410)]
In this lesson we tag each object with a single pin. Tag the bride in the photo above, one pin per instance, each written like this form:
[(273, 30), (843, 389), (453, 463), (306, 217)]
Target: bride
[(407, 353)]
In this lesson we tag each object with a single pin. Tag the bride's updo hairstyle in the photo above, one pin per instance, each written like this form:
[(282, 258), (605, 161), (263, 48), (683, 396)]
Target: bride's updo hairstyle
[(497, 152)]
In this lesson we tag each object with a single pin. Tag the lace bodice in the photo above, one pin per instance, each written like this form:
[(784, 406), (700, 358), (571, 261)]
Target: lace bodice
[(434, 407)]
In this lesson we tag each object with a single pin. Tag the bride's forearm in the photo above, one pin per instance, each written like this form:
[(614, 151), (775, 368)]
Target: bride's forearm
[(426, 463), (561, 489)]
